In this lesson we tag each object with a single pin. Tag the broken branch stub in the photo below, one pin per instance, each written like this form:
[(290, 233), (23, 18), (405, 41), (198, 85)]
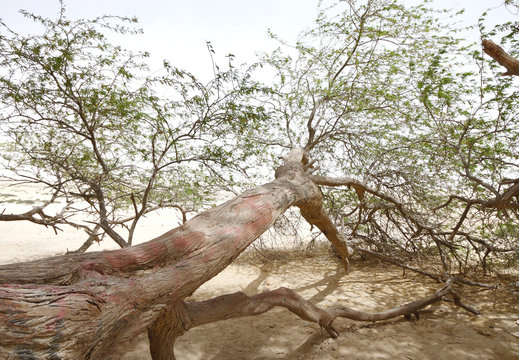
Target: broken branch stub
[(502, 57)]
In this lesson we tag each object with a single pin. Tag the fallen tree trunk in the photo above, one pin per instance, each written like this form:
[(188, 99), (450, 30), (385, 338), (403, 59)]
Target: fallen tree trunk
[(86, 306)]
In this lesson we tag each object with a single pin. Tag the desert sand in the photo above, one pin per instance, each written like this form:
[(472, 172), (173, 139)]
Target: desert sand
[(442, 332)]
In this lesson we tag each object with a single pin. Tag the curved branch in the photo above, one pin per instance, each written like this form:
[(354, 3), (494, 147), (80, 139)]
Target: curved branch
[(43, 219), (482, 242), (500, 202), (239, 304), (361, 188), (498, 54)]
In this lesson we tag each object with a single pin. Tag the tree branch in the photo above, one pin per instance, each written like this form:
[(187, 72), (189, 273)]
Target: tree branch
[(498, 54), (239, 304), (400, 263), (43, 219), (500, 202)]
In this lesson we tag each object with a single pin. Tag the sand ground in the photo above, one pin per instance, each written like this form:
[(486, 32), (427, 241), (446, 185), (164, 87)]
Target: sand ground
[(443, 332)]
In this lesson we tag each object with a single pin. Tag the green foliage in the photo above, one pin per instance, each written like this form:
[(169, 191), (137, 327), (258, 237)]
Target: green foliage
[(378, 90), (85, 118), (393, 95)]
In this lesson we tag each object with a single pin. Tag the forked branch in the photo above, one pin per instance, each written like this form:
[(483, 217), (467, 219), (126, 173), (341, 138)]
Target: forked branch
[(238, 305), (37, 215)]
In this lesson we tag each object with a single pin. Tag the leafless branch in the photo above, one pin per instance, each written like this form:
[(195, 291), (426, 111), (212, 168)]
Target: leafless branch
[(239, 305)]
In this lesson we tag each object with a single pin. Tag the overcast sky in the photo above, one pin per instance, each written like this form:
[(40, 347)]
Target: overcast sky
[(177, 29)]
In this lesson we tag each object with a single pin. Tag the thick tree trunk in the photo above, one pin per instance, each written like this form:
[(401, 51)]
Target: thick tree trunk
[(78, 306), (85, 306)]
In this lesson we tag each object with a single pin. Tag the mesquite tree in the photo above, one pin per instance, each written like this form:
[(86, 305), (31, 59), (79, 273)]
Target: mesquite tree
[(395, 98), (84, 306), (369, 99), (84, 119)]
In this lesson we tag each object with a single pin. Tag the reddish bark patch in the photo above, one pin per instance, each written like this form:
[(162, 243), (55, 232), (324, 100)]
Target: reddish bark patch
[(186, 243), (247, 203), (211, 253), (100, 268), (121, 259), (167, 247), (255, 214), (155, 248), (261, 220), (260, 213)]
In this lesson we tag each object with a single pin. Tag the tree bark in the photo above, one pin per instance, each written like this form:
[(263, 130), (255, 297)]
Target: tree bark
[(502, 57), (238, 305), (77, 306), (186, 316), (86, 306)]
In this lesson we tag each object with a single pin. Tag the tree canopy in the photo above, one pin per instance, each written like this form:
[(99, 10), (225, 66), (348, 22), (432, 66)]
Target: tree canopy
[(394, 97), (392, 135), (84, 118), (386, 96)]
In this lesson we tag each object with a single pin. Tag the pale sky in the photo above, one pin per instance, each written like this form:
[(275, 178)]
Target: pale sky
[(177, 29)]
